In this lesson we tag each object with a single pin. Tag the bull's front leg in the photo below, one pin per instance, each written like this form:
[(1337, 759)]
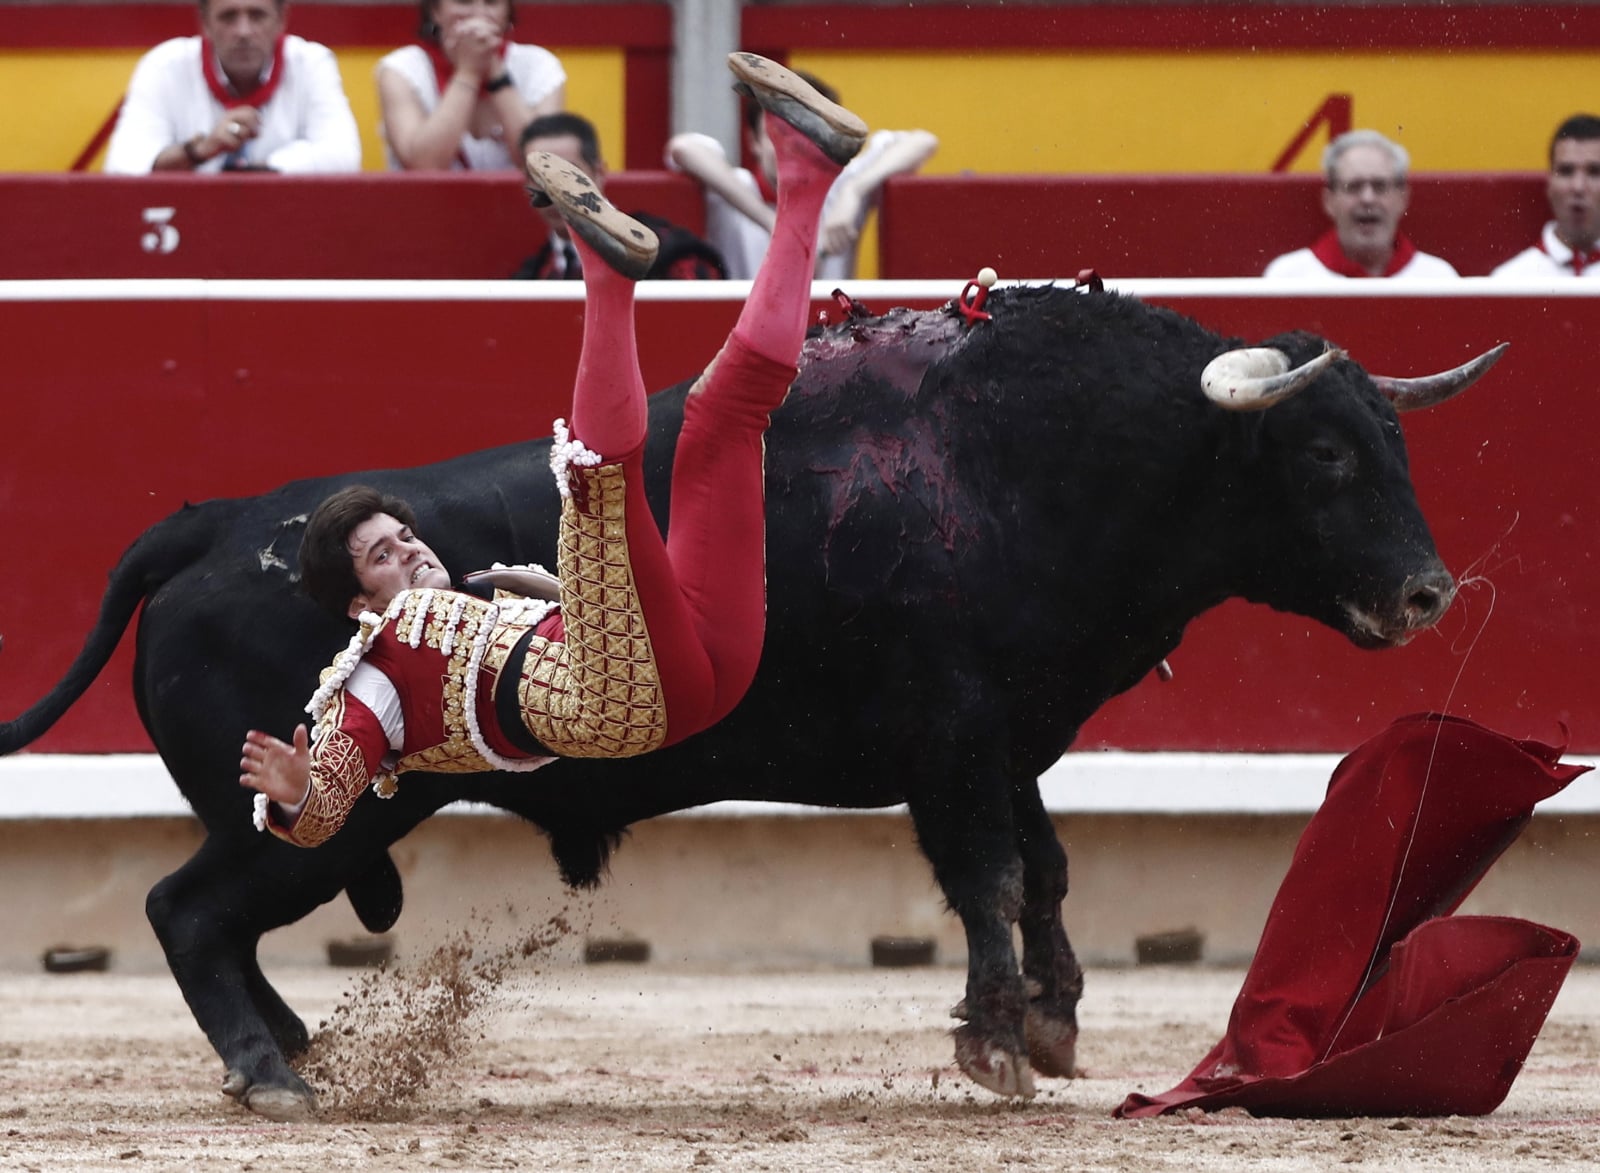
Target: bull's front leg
[(1054, 977), (966, 831), (209, 916)]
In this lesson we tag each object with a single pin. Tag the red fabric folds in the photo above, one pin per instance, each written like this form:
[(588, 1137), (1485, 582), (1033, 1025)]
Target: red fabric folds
[(1365, 997)]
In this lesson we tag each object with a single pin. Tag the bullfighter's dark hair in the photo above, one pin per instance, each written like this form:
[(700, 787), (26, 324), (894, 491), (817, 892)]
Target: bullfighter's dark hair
[(753, 111), (561, 124), (428, 28), (1581, 127), (327, 572)]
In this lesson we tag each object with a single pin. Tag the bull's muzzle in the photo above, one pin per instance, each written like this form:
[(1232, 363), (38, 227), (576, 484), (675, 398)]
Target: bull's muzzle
[(1420, 603), (1426, 597)]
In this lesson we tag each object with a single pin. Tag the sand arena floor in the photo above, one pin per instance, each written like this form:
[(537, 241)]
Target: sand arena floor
[(655, 1067)]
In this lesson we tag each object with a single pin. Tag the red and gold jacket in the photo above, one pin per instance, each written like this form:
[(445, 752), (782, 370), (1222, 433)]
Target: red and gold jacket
[(436, 662)]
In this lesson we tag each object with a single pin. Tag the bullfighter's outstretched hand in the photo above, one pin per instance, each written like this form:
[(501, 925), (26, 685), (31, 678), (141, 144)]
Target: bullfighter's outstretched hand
[(276, 768)]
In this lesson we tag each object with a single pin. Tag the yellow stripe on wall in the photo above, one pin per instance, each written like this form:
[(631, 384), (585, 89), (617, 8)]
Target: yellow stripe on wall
[(1211, 111), (68, 94)]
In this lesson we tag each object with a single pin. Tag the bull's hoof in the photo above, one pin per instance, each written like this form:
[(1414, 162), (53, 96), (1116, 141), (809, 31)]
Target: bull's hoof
[(1052, 1043), (991, 1066), (275, 1103), (279, 1103)]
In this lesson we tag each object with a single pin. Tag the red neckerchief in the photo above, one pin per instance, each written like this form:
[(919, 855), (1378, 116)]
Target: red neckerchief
[(222, 89), (1332, 256), (444, 69), (1579, 260)]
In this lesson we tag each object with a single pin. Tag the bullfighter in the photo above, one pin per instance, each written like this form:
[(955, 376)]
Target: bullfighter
[(646, 641)]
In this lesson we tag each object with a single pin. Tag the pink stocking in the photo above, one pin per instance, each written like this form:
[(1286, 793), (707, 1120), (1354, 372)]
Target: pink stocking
[(773, 321), (608, 402)]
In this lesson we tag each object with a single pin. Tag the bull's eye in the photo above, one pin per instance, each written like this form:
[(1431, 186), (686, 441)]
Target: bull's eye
[(1329, 455)]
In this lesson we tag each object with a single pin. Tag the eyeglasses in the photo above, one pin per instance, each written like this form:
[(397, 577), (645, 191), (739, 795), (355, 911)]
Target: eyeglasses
[(1354, 187)]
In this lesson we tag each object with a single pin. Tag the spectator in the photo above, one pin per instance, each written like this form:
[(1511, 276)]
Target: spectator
[(1365, 197), (682, 255), (242, 96), (459, 98), (739, 204), (1568, 245)]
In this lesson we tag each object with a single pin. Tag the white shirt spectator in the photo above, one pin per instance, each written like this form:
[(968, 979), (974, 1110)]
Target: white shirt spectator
[(536, 72), (743, 243), (306, 126), (1550, 258), (1304, 265)]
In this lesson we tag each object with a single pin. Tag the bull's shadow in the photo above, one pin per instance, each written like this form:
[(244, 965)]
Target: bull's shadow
[(977, 535)]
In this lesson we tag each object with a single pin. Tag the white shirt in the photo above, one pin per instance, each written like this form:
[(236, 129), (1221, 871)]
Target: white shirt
[(536, 73), (1302, 264), (1553, 260), (306, 126), (743, 243)]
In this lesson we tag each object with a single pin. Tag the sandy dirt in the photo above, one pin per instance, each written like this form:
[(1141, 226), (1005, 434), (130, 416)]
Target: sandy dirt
[(655, 1067)]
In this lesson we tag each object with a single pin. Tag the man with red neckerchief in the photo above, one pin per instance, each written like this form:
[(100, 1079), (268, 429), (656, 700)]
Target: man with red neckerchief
[(242, 96), (1365, 196), (1569, 245)]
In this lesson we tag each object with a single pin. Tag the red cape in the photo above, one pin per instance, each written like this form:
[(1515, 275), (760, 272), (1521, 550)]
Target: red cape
[(1365, 998)]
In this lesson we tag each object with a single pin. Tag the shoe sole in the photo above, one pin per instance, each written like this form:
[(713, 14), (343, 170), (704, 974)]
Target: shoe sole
[(622, 242), (781, 92)]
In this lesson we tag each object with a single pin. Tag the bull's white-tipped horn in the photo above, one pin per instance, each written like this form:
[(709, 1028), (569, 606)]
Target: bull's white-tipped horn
[(1255, 378), (1428, 390)]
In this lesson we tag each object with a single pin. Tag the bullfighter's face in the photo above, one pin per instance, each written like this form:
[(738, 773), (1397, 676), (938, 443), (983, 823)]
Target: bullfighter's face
[(1365, 199), (388, 558), (1574, 191), (244, 33)]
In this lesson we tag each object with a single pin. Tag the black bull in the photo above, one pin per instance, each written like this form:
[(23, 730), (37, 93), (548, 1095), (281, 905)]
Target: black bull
[(977, 535)]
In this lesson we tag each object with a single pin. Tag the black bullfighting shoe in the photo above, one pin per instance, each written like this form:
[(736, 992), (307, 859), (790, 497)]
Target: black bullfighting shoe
[(784, 94), (622, 242)]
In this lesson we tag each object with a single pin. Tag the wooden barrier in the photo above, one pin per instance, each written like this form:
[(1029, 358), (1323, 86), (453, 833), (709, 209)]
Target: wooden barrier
[(479, 226), (1029, 226), (441, 225), (125, 400)]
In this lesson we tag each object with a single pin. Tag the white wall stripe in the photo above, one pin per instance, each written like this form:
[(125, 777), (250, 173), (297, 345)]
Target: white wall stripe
[(74, 786), (880, 294)]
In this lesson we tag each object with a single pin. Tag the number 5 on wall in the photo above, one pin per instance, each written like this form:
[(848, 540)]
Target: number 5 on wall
[(162, 237)]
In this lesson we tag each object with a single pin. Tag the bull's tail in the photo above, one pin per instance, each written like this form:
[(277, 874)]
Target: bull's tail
[(159, 554)]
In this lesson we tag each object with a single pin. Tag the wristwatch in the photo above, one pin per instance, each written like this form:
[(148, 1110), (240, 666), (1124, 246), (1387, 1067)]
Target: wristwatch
[(496, 84), (191, 150)]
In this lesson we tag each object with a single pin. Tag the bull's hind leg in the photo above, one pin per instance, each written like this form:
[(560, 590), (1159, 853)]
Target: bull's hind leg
[(209, 916), (1054, 977), (965, 829)]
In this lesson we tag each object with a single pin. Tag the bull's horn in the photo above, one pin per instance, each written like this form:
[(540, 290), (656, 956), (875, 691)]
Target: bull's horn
[(1255, 378), (1411, 394)]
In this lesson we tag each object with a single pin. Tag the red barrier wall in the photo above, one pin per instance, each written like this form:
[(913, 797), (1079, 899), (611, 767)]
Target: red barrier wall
[(116, 411), (1030, 226), (258, 226), (479, 226)]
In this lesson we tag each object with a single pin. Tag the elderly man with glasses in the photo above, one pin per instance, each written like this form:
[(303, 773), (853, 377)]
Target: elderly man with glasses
[(1365, 196)]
